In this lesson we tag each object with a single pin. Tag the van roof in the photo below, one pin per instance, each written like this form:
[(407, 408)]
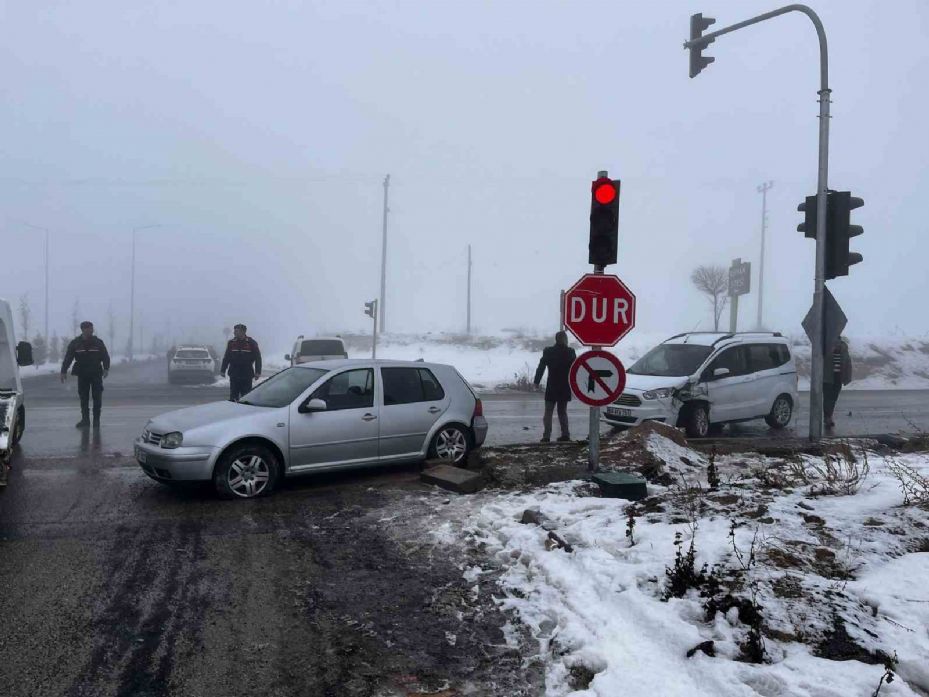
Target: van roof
[(717, 338)]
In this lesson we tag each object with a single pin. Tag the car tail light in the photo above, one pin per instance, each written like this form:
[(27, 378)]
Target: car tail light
[(478, 408)]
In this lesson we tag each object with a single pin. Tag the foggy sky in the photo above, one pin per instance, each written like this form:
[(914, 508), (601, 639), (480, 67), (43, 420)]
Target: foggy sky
[(257, 135)]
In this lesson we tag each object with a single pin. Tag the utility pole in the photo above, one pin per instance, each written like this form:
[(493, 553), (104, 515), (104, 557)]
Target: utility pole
[(383, 299), (763, 190), (469, 291), (46, 287), (697, 43)]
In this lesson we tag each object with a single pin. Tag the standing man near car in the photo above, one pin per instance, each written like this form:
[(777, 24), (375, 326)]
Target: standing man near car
[(243, 361), (91, 364), (840, 367), (558, 360)]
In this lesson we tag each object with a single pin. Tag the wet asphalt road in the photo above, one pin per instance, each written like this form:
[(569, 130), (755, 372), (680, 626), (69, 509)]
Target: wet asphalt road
[(133, 396), (114, 585)]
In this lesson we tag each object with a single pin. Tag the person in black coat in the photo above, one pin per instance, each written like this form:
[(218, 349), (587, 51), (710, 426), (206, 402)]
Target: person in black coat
[(91, 364), (243, 361), (557, 359), (838, 373)]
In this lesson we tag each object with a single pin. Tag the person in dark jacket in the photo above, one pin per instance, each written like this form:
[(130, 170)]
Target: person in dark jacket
[(91, 364), (557, 359), (243, 361), (838, 371)]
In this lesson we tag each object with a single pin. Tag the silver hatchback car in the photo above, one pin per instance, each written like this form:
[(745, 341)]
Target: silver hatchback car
[(313, 417)]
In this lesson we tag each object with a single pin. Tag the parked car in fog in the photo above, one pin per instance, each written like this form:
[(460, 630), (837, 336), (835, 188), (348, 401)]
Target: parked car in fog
[(321, 348), (702, 380), (191, 364), (313, 417)]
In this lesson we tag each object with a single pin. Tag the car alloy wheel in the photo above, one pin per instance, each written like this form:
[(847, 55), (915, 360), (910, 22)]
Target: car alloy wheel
[(781, 413), (248, 476), (451, 444), (698, 422)]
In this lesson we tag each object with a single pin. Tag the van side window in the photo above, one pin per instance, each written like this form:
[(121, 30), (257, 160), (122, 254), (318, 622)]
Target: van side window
[(735, 359), (762, 357)]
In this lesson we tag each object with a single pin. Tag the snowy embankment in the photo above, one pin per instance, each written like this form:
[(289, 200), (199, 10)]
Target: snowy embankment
[(807, 575), (492, 362)]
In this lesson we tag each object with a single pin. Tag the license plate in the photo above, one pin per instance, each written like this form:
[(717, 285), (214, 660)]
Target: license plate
[(618, 411), (140, 454)]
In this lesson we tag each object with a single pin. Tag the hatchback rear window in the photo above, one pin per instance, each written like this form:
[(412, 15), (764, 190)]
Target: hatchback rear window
[(410, 385), (322, 347), (191, 353)]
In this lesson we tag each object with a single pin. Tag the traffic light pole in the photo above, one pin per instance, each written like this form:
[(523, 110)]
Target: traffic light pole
[(816, 377), (593, 434)]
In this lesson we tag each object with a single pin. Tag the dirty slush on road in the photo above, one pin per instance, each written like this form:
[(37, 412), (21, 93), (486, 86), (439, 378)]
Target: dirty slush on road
[(329, 592)]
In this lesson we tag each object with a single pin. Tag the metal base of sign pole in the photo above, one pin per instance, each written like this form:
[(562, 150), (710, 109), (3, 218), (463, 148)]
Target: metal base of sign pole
[(593, 455)]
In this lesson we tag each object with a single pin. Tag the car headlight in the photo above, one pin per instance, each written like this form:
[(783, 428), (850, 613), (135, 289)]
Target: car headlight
[(172, 440), (660, 393)]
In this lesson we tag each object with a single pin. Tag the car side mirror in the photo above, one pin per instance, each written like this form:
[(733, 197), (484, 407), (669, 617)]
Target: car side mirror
[(720, 373), (23, 354), (312, 405), (286, 356)]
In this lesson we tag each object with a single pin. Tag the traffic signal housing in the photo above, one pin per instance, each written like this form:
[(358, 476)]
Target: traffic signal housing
[(839, 205), (698, 23), (838, 232), (371, 308), (604, 221)]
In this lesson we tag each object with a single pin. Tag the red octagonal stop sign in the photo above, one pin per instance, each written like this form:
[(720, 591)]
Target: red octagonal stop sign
[(599, 310)]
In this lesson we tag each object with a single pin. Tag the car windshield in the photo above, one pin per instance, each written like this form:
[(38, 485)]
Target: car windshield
[(322, 347), (192, 353), (671, 360), (282, 389)]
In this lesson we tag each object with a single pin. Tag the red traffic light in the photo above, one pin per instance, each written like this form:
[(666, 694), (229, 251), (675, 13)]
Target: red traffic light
[(604, 191)]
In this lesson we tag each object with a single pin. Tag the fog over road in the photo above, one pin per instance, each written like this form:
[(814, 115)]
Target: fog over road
[(134, 394)]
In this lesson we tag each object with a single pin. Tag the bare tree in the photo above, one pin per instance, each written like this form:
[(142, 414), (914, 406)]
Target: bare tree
[(111, 326), (713, 282), (75, 317), (25, 315)]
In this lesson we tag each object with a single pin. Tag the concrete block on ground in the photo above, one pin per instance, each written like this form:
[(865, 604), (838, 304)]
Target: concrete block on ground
[(619, 485), (456, 479)]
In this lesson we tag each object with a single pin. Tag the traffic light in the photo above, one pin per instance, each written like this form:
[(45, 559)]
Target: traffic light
[(371, 308), (697, 60), (604, 221), (838, 232), (839, 205), (808, 208)]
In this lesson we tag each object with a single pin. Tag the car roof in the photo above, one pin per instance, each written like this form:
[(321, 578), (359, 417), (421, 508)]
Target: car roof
[(727, 338), (319, 338), (191, 346), (359, 362)]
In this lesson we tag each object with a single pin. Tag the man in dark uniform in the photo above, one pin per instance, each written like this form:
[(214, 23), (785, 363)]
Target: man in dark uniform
[(91, 364), (243, 361), (558, 360), (838, 371)]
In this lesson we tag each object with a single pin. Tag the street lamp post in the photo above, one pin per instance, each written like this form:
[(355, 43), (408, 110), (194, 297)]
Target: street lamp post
[(135, 230)]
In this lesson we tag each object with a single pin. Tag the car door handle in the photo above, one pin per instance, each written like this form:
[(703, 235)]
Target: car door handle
[(368, 417), (434, 410)]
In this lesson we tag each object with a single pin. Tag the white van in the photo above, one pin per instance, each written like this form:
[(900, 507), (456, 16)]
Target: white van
[(12, 403), (320, 348), (703, 380)]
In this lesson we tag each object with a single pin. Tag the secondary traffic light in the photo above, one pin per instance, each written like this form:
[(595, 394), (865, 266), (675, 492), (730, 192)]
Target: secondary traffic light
[(839, 230), (604, 221), (371, 308), (839, 205), (697, 60)]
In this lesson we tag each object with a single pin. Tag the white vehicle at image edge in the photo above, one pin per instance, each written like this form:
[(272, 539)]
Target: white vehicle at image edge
[(13, 355), (191, 363), (315, 417), (703, 380)]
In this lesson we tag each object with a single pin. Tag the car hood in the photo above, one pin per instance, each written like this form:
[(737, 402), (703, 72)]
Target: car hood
[(202, 415), (641, 383)]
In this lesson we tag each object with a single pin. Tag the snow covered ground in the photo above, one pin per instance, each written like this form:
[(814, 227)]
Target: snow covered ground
[(489, 362), (836, 565)]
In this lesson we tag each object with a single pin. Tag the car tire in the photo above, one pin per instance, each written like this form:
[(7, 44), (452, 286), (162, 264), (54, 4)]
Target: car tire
[(451, 443), (781, 413), (246, 472), (20, 428), (697, 422)]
